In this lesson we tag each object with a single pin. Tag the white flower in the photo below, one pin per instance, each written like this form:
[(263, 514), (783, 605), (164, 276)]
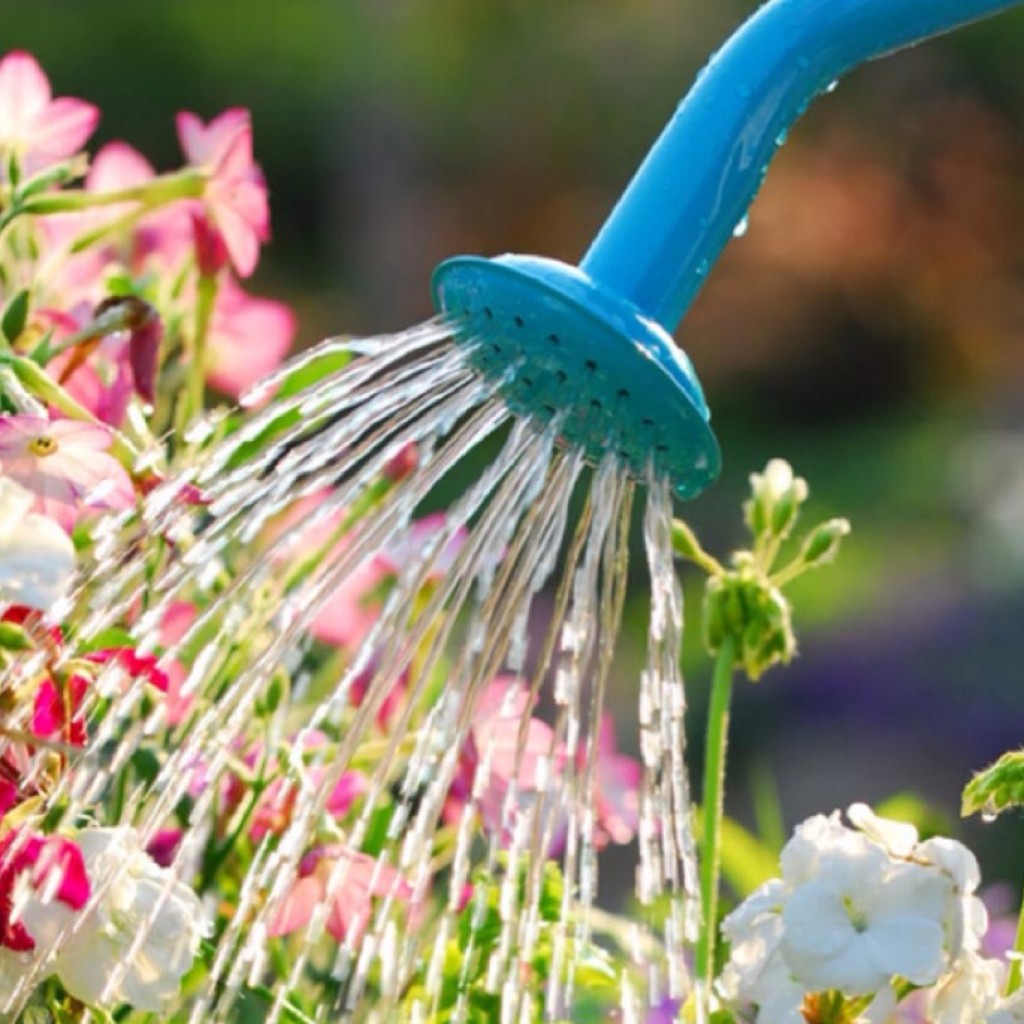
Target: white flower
[(855, 909), (13, 966), (968, 992), (135, 940), (37, 557), (1010, 1011), (864, 921)]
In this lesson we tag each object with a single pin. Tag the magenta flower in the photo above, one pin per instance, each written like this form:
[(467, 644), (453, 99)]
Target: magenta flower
[(57, 714), (66, 464), (248, 338), (8, 796), (349, 894), (41, 130), (235, 198), (51, 865)]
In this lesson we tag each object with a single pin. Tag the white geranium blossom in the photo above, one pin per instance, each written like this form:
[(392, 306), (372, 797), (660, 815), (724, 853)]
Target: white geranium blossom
[(37, 557), (756, 972), (1009, 1011), (138, 936), (967, 992), (855, 909)]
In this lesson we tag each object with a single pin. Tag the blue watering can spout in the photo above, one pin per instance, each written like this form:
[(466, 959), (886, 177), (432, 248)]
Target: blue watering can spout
[(590, 345)]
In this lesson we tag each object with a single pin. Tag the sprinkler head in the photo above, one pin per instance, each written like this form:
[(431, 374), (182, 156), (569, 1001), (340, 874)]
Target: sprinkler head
[(558, 345)]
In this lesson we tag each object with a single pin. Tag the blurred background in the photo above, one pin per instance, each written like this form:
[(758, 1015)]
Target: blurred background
[(868, 327)]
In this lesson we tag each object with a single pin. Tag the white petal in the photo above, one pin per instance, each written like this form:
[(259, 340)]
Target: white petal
[(954, 859), (908, 947), (815, 922), (897, 837)]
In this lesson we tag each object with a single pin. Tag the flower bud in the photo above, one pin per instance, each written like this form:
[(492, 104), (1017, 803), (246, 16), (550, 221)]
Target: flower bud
[(744, 606), (776, 497), (822, 544)]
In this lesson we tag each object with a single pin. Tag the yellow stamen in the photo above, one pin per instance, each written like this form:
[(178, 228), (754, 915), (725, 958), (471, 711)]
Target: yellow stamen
[(43, 445)]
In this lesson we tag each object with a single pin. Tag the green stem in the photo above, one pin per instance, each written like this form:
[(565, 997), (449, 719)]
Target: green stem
[(712, 810), (1014, 975), (186, 184), (195, 392)]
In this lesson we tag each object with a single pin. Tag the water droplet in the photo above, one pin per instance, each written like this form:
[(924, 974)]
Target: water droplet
[(780, 139), (832, 86), (988, 816), (741, 227)]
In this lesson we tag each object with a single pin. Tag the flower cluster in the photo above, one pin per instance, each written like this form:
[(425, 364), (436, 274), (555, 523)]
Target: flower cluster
[(121, 308), (861, 919)]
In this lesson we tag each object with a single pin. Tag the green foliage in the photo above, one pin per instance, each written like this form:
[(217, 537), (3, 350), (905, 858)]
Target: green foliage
[(997, 788)]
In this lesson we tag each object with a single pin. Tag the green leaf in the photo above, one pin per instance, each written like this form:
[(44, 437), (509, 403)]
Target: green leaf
[(746, 861), (15, 315), (997, 788)]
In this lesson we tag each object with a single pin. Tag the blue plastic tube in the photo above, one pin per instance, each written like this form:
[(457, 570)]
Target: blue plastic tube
[(697, 181)]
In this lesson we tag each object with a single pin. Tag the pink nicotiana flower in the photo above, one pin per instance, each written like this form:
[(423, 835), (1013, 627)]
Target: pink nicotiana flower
[(66, 464), (247, 339), (101, 382), (494, 748), (176, 622), (235, 198), (348, 615), (8, 796), (347, 882), (41, 130), (51, 865), (616, 788), (159, 241), (278, 800), (57, 713)]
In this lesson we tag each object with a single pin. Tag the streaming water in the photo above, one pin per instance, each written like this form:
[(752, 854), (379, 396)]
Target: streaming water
[(526, 575)]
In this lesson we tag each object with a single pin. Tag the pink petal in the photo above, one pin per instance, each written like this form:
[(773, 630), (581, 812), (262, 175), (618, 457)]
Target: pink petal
[(249, 337), (24, 89), (192, 136), (298, 906), (8, 796), (233, 152), (61, 130), (240, 239), (116, 166)]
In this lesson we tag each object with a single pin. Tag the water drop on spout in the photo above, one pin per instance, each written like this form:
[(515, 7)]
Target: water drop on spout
[(832, 86), (741, 227)]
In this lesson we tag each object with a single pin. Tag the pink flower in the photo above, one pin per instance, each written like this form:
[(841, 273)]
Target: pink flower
[(40, 129), (54, 867), (164, 233), (57, 711), (248, 338), (102, 382), (8, 796), (132, 664), (162, 236), (66, 464), (493, 746), (177, 621), (349, 894), (276, 804), (616, 788), (235, 198)]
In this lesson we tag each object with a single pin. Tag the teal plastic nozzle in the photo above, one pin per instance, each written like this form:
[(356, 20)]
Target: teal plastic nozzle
[(590, 345)]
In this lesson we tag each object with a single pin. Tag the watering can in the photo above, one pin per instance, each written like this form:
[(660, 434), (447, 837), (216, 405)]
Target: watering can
[(591, 345)]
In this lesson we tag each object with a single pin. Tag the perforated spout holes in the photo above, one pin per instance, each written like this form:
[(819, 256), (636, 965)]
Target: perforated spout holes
[(560, 347)]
